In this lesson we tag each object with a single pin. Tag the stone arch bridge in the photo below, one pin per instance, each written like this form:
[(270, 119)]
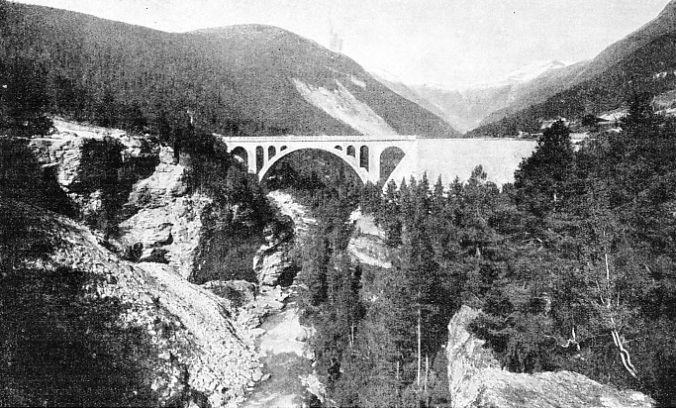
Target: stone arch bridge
[(362, 154)]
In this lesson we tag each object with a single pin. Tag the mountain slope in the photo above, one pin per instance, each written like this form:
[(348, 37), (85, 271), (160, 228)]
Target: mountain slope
[(665, 23), (643, 62), (538, 90), (468, 108), (237, 80), (407, 92)]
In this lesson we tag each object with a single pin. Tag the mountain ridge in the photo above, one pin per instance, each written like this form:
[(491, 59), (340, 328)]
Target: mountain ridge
[(467, 108), (643, 62), (236, 80)]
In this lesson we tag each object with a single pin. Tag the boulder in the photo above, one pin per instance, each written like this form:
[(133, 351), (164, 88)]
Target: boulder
[(476, 379), (237, 292)]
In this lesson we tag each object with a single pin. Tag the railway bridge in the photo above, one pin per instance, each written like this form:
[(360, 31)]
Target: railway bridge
[(362, 153), (445, 158)]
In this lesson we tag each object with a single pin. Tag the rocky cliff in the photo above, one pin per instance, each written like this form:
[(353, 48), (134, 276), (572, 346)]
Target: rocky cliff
[(477, 380), (191, 348), (274, 260), (166, 220), (150, 236), (367, 244), (156, 217)]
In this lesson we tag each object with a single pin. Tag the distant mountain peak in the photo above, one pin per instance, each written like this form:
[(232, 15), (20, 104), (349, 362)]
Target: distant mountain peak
[(534, 70), (522, 75)]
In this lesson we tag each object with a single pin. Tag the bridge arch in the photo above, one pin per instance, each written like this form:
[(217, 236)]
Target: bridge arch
[(389, 159), (260, 158), (361, 173), (362, 154), (240, 155), (364, 159)]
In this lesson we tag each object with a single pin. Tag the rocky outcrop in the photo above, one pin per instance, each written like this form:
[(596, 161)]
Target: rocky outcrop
[(166, 220), (237, 293), (295, 211), (161, 220), (196, 346), (367, 244), (63, 148), (477, 380), (272, 261), (275, 257)]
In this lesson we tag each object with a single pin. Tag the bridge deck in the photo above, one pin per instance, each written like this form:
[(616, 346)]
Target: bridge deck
[(317, 139)]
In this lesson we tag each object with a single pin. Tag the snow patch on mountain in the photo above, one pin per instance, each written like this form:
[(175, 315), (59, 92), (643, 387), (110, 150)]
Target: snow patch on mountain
[(518, 77), (342, 105), (534, 70)]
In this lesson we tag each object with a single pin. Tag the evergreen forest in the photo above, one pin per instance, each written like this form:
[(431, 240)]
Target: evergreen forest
[(572, 266)]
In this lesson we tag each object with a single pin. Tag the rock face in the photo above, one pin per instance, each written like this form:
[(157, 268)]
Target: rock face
[(476, 379), (196, 345), (166, 220), (161, 218), (275, 257), (272, 261), (367, 244)]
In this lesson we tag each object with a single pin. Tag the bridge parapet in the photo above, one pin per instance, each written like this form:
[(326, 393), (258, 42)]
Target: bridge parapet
[(317, 139)]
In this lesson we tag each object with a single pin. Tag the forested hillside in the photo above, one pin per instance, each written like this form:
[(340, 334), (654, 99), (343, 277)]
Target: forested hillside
[(650, 70), (244, 80), (539, 90), (641, 63), (572, 267)]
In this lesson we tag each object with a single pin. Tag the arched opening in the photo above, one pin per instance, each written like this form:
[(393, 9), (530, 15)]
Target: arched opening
[(281, 149), (271, 152), (339, 147), (364, 157), (310, 169), (240, 155), (260, 159), (350, 151), (389, 160)]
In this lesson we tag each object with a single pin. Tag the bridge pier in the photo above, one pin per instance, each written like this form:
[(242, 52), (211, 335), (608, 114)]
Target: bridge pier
[(374, 163), (251, 160)]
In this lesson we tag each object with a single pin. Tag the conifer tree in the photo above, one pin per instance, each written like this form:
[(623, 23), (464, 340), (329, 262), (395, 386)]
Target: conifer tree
[(390, 216), (541, 179)]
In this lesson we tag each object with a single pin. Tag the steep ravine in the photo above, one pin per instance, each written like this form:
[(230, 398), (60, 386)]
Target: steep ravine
[(281, 341), (226, 343), (198, 354)]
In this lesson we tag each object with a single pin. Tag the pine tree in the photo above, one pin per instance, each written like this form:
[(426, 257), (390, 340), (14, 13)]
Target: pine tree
[(390, 216), (541, 179)]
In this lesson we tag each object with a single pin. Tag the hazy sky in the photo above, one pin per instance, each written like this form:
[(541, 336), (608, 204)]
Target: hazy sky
[(451, 42)]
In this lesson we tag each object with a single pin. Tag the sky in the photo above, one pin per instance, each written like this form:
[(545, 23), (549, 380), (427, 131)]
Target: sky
[(449, 43)]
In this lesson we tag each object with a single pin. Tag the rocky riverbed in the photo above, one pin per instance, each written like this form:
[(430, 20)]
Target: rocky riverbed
[(282, 343)]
